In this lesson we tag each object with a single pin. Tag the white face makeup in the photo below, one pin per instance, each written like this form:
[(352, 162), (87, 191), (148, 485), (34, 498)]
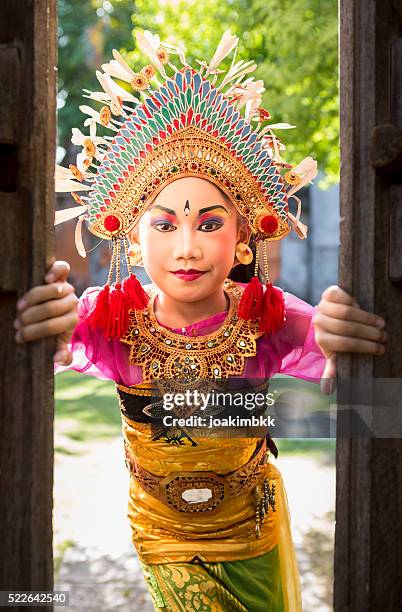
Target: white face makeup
[(188, 238)]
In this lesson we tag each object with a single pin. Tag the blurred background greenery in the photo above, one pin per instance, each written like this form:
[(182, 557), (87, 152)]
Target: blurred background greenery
[(293, 43)]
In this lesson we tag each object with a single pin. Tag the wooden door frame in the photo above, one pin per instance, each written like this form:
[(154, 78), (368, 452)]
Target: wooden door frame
[(27, 149), (368, 539), (369, 490)]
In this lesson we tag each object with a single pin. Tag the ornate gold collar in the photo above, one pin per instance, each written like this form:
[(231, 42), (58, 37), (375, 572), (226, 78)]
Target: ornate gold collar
[(163, 354)]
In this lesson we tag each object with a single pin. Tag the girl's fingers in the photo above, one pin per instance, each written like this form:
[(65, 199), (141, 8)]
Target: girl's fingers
[(332, 342), (59, 270), (48, 310), (347, 312), (353, 329), (43, 293), (63, 356), (51, 327), (330, 367), (327, 382), (338, 295)]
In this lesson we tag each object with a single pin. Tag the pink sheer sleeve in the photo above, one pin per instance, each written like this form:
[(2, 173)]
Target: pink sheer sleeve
[(96, 356), (294, 345), (291, 351)]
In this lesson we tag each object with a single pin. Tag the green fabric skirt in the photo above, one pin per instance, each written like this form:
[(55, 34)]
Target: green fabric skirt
[(249, 585)]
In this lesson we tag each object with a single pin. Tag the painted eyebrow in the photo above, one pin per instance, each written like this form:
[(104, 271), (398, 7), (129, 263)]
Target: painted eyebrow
[(201, 211), (204, 210), (167, 210)]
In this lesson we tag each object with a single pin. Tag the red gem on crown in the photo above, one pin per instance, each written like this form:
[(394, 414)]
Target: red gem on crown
[(269, 224), (111, 223)]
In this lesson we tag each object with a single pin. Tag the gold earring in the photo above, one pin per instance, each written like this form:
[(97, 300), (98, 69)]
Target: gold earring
[(243, 253), (134, 253)]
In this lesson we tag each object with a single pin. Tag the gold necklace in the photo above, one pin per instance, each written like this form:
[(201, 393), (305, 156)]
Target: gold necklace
[(163, 354)]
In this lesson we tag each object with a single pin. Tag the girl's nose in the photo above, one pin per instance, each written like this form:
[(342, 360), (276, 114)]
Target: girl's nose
[(187, 246)]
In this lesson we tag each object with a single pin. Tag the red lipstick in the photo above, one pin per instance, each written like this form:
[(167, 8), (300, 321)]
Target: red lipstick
[(188, 275)]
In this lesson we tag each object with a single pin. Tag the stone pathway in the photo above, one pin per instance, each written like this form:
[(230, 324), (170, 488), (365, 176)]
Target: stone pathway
[(94, 556), (95, 559), (310, 485)]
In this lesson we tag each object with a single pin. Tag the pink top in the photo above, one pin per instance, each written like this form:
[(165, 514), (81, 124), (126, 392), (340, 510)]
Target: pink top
[(291, 351)]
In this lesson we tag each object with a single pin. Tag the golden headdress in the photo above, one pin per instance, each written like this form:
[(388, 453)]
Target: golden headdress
[(188, 125)]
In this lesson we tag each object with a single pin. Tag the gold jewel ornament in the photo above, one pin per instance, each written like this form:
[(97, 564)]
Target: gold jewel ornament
[(243, 253), (171, 488), (105, 115), (264, 500), (180, 121), (165, 355), (134, 253)]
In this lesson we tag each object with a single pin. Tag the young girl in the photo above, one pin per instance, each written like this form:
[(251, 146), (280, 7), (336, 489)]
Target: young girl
[(208, 514)]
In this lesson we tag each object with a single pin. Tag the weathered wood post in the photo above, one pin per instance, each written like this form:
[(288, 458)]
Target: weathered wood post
[(27, 151), (368, 542)]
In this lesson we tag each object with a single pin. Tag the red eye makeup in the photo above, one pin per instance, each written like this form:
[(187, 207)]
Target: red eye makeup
[(211, 218)]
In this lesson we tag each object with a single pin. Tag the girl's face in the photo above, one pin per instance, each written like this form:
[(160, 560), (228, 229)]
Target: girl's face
[(188, 238)]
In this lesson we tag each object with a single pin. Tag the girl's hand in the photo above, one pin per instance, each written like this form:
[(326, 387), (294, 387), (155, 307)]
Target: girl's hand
[(49, 310), (341, 326)]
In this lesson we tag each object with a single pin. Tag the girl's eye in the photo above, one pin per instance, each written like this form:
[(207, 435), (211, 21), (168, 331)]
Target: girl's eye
[(163, 226), (210, 226)]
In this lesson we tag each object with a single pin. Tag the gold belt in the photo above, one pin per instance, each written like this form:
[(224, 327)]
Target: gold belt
[(170, 489)]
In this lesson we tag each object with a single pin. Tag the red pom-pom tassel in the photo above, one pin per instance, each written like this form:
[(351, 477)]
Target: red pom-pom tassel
[(266, 306), (117, 318), (136, 296), (273, 309), (97, 316), (251, 301), (111, 312)]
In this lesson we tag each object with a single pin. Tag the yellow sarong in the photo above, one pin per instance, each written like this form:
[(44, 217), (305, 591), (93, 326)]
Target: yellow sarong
[(185, 553)]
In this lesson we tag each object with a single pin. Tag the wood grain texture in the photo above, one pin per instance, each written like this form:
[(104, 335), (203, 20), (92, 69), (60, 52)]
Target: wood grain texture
[(368, 541), (28, 36)]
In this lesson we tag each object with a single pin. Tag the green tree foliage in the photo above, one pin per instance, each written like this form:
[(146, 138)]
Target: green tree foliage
[(88, 30), (293, 43)]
